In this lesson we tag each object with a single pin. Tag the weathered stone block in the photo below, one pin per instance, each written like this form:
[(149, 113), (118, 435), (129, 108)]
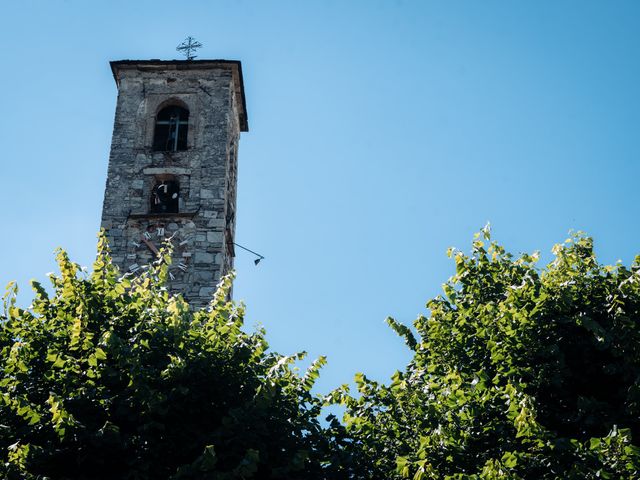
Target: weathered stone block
[(203, 257), (216, 222), (206, 293), (214, 237)]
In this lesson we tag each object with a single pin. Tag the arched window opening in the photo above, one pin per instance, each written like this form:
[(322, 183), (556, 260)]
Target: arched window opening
[(172, 124), (165, 197)]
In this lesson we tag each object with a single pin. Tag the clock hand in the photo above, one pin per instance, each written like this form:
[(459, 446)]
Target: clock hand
[(150, 244)]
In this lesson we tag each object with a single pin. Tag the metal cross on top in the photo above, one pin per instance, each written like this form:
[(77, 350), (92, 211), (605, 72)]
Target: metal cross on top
[(189, 47)]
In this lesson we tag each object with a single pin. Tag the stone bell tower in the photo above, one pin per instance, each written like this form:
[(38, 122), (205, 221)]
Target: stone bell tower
[(173, 169)]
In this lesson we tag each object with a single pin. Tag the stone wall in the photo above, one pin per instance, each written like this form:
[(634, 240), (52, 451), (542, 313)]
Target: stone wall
[(203, 229)]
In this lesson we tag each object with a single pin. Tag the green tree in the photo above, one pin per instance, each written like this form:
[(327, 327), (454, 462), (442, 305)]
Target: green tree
[(111, 377), (519, 372)]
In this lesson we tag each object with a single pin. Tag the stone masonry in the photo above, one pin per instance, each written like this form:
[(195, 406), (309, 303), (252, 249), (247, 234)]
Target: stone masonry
[(204, 170)]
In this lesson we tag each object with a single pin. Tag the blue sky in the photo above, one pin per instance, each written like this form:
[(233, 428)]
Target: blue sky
[(380, 133)]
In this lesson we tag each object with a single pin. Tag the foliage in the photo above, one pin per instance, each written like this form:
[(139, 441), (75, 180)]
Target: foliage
[(111, 377), (518, 373)]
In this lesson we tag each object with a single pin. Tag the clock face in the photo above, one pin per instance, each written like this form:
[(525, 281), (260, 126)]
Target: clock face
[(146, 238)]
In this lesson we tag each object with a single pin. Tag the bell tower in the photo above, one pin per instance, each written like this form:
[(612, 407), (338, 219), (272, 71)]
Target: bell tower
[(173, 169)]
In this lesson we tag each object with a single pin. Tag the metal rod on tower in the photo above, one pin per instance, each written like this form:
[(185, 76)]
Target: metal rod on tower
[(257, 260)]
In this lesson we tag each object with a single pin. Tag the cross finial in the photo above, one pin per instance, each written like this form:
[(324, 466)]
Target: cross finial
[(189, 47)]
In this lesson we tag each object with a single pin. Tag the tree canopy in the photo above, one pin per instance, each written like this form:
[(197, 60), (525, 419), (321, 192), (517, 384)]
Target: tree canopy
[(111, 377), (518, 373)]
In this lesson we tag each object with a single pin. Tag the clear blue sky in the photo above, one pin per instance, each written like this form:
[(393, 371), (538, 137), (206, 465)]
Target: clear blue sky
[(381, 133)]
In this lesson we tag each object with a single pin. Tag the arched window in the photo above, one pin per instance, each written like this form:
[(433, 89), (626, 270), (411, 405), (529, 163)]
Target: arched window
[(165, 197), (172, 124)]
